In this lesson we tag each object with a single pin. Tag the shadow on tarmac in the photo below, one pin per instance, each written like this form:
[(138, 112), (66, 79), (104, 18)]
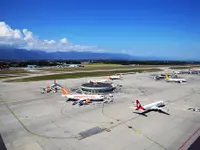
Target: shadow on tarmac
[(2, 145), (195, 145)]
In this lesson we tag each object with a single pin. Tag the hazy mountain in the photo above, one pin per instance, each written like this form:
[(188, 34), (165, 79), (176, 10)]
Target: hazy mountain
[(23, 54)]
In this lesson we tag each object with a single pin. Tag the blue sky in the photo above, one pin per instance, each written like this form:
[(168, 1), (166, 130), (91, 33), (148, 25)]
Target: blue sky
[(169, 28)]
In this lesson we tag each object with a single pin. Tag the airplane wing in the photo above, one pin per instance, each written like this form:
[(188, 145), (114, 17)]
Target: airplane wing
[(140, 111), (83, 99), (159, 109), (80, 101)]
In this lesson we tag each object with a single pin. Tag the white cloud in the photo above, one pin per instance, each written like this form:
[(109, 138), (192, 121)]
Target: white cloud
[(49, 41), (28, 35), (7, 32), (31, 44), (26, 39), (129, 52), (64, 41), (17, 34)]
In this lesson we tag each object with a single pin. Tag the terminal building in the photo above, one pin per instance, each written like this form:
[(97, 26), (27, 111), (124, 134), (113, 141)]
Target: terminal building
[(97, 87), (31, 66)]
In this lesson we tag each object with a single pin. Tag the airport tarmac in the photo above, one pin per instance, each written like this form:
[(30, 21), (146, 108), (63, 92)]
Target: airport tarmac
[(31, 120)]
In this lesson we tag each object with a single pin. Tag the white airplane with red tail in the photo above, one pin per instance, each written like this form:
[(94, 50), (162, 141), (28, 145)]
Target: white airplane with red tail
[(156, 106), (76, 97)]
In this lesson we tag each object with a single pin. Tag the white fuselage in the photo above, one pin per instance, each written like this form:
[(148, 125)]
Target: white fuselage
[(99, 81), (115, 77), (84, 96), (56, 86), (155, 104), (175, 80)]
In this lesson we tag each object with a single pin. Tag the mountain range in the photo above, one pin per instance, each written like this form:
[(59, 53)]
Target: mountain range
[(23, 54)]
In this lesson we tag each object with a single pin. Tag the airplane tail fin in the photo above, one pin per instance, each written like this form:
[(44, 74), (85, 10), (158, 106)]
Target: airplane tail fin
[(108, 78), (48, 87), (166, 76), (64, 91), (139, 106), (94, 81)]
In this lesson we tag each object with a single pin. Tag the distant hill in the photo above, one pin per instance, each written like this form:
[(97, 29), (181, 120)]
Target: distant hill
[(23, 54)]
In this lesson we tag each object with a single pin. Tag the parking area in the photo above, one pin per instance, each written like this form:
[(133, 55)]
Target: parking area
[(31, 120)]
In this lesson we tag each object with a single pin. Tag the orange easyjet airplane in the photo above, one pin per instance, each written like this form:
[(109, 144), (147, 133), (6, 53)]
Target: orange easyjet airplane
[(76, 97)]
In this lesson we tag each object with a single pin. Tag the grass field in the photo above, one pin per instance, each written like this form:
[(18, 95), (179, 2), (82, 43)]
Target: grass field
[(78, 75), (97, 67), (17, 71), (4, 77), (184, 67), (101, 65)]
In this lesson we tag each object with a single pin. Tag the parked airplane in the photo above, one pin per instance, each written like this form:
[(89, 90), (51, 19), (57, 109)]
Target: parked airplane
[(52, 88), (178, 80), (156, 106), (100, 81), (75, 97), (163, 76), (113, 77), (88, 101), (158, 77), (56, 85)]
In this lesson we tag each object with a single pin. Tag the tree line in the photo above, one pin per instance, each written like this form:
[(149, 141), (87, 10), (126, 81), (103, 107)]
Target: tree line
[(8, 63)]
